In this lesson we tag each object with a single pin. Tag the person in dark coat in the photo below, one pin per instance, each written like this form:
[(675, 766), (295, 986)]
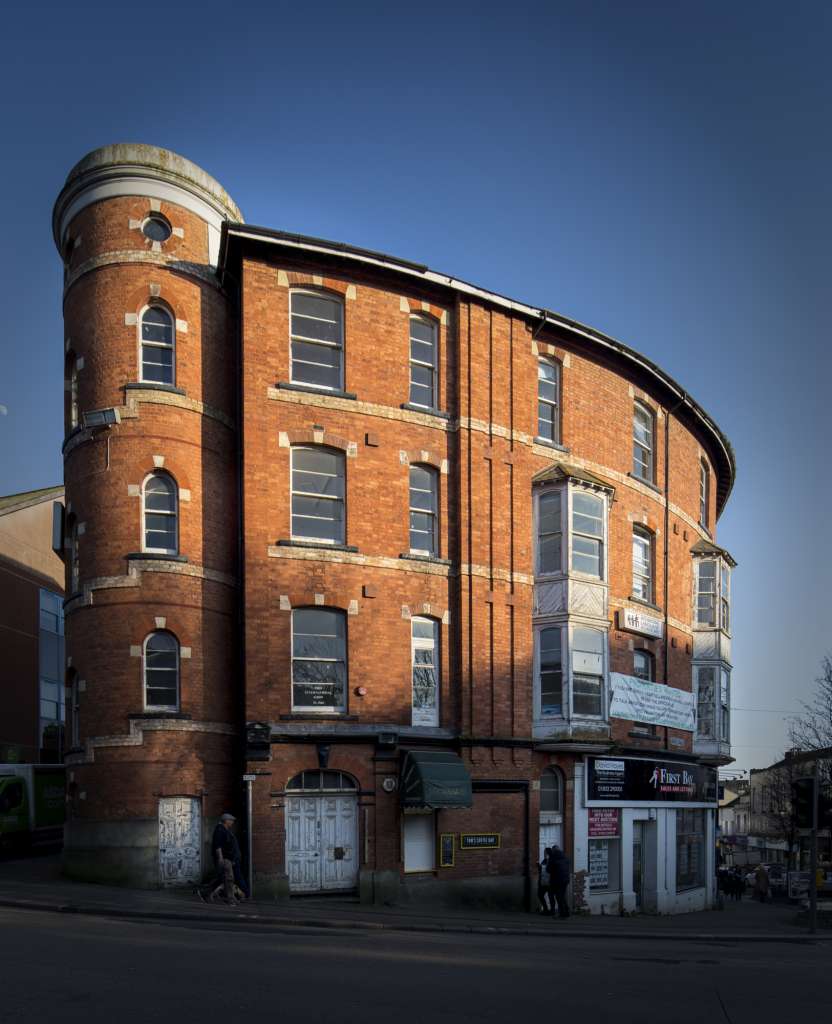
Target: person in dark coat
[(543, 897), (558, 881), (225, 850)]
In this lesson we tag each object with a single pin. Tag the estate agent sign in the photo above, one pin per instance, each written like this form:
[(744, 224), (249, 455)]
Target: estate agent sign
[(647, 782), (640, 701)]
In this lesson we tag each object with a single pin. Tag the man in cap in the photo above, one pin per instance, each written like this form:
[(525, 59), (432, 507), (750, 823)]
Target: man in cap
[(225, 852)]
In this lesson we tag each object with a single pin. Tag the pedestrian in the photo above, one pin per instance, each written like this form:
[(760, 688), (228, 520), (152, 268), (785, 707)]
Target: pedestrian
[(543, 883), (761, 883), (225, 854), (737, 884), (558, 865)]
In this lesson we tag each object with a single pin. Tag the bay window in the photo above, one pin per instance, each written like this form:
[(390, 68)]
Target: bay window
[(587, 533)]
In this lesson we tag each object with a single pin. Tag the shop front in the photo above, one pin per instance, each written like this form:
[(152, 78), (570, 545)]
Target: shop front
[(644, 836)]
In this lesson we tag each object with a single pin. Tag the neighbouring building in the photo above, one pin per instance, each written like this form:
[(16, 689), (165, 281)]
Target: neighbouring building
[(31, 628), (435, 569)]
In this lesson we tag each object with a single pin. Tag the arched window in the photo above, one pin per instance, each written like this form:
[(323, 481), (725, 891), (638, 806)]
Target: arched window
[(551, 791), (159, 515), (423, 510), (644, 455), (318, 781), (318, 494), (319, 659), (548, 400), (158, 336), (424, 650), (161, 671), (704, 492), (317, 340), (422, 362), (71, 388), (642, 563)]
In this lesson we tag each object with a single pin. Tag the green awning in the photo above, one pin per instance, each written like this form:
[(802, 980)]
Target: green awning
[(435, 778)]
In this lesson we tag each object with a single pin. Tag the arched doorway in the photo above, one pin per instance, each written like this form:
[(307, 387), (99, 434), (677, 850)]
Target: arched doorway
[(551, 810), (321, 831)]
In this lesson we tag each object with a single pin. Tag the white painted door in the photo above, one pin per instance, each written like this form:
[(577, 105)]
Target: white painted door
[(321, 843), (180, 840), (551, 834)]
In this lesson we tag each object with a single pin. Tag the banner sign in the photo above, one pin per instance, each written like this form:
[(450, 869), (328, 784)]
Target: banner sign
[(640, 701), (638, 622), (604, 823), (647, 781)]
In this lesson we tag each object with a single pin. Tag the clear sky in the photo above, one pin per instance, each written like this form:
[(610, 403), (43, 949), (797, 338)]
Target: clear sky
[(658, 170)]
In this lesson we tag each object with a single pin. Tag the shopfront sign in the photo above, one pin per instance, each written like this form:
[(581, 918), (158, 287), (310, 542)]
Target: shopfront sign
[(645, 781), (480, 841), (604, 823), (640, 701), (633, 621)]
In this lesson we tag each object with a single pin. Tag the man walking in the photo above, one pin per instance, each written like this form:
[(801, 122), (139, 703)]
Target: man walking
[(558, 881), (225, 853)]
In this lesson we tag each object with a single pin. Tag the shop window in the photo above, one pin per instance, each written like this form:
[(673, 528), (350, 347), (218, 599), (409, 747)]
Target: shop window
[(706, 592), (549, 532), (690, 849), (419, 842), (548, 400), (159, 510), (605, 865), (317, 341), (319, 660), (587, 672), (424, 650), (705, 701), (644, 433), (724, 706), (423, 362), (642, 564), (550, 672), (588, 534), (424, 493), (161, 672), (318, 495), (158, 340)]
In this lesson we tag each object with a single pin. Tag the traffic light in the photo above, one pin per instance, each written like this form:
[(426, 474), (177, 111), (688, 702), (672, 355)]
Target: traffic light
[(803, 799)]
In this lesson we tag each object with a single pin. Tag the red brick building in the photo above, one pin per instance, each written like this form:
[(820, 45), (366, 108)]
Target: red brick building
[(436, 567)]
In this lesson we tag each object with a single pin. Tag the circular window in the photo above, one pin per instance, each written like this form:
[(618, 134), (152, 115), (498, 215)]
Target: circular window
[(156, 228)]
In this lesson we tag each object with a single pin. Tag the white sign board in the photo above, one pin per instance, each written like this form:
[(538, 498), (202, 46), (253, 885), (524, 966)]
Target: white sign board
[(640, 701), (638, 622), (599, 865)]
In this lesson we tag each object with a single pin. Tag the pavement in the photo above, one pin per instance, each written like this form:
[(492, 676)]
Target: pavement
[(36, 884)]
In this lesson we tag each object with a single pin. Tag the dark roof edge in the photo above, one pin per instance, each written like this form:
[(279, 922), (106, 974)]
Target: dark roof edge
[(393, 263), (15, 502)]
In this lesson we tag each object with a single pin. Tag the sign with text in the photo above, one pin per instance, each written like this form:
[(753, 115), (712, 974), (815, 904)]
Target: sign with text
[(639, 701), (648, 781), (604, 822), (634, 621), (480, 841)]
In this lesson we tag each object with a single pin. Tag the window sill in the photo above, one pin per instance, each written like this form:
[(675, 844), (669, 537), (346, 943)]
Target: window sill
[(643, 603), (317, 545), (555, 445), (427, 412), (310, 389), (160, 713), (153, 556), (318, 716), (647, 483), (435, 559), (149, 385)]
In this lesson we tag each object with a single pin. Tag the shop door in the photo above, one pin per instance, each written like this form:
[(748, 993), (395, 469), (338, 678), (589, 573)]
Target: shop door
[(638, 863), (180, 840), (321, 843)]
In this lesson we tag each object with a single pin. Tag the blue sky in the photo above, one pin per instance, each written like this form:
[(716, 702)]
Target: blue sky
[(657, 170)]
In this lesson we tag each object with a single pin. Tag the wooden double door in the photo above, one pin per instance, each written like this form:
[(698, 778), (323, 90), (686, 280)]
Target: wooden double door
[(322, 842)]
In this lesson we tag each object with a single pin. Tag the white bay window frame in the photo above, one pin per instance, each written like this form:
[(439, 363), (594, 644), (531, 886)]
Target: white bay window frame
[(578, 666)]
